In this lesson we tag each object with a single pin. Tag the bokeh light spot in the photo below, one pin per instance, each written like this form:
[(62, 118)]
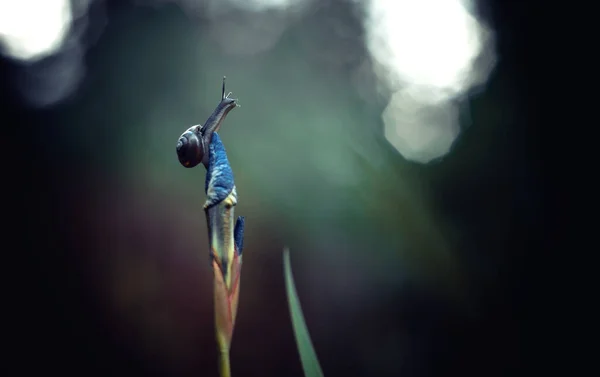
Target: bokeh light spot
[(425, 51), (30, 30), (420, 131)]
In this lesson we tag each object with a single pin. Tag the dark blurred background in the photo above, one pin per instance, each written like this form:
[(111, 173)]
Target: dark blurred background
[(390, 144)]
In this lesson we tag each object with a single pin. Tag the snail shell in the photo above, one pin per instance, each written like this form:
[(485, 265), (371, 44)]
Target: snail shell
[(191, 147)]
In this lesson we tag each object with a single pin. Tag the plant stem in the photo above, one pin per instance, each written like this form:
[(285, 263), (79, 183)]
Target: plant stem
[(225, 236), (226, 243), (224, 369)]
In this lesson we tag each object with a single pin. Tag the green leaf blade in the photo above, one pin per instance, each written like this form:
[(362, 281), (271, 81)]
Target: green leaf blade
[(308, 356)]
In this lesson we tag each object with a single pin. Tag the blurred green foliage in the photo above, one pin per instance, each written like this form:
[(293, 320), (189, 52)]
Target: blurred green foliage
[(308, 356)]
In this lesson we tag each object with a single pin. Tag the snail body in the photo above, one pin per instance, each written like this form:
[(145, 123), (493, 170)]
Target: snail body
[(192, 146)]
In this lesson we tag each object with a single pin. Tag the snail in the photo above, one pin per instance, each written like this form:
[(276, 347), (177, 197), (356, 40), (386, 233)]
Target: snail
[(192, 146)]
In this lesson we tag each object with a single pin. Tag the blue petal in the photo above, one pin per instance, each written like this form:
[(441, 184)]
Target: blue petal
[(238, 234), (219, 177)]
